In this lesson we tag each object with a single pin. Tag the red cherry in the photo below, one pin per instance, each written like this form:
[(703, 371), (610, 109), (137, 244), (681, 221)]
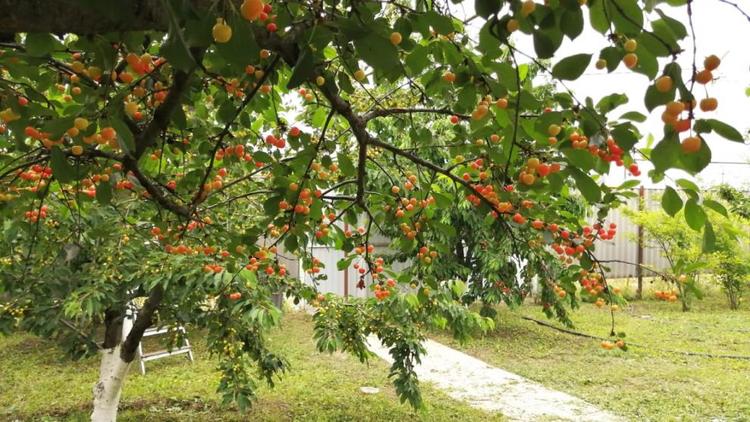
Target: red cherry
[(271, 27)]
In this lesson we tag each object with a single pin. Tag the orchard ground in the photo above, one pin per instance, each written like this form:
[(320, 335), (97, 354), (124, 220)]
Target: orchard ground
[(642, 383), (37, 382)]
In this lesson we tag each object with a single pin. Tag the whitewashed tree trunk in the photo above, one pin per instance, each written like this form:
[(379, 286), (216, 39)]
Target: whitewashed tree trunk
[(107, 391)]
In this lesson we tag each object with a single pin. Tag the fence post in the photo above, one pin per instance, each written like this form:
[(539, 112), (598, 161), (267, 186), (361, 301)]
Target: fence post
[(346, 270), (639, 258)]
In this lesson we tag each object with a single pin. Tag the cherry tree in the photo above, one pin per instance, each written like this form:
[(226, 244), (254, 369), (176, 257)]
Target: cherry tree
[(184, 151)]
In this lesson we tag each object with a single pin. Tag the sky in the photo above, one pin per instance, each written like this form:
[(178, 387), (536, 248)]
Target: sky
[(720, 30)]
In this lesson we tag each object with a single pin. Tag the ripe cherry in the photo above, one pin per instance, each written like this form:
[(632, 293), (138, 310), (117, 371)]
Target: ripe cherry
[(251, 9), (396, 38), (691, 144)]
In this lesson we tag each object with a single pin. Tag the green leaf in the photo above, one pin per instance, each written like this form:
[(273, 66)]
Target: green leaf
[(458, 287), (442, 200), (571, 68), (40, 44), (722, 129), (694, 214), (241, 50), (588, 187), (611, 102), (344, 263), (687, 185), (271, 205), (176, 52), (485, 8), (627, 16), (124, 135), (716, 206), (262, 157), (654, 98), (625, 135), (629, 184), (580, 159), (63, 171), (303, 70), (345, 164), (634, 116), (378, 52), (572, 22), (666, 152), (671, 201), (441, 23), (647, 63), (507, 76), (597, 16), (613, 56), (546, 42), (709, 238), (290, 243), (104, 193), (417, 60)]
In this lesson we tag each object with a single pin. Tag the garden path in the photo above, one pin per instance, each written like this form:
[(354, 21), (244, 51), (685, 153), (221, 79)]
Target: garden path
[(486, 387)]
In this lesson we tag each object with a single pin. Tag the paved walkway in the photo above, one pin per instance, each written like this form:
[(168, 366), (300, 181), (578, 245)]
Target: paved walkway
[(492, 389)]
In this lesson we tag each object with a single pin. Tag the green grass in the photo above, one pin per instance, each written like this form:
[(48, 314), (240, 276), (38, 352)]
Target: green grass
[(37, 384), (641, 383)]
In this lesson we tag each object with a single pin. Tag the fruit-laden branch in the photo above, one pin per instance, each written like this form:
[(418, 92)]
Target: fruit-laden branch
[(359, 128), (163, 114), (434, 167), (155, 192), (143, 321)]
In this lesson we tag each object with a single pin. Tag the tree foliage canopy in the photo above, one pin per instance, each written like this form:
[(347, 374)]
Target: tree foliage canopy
[(182, 149)]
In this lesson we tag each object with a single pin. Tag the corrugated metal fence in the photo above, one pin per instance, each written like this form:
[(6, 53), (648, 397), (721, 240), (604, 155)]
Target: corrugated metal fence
[(624, 247)]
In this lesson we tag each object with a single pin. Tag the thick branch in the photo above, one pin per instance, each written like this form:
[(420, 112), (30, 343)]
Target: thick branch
[(163, 114), (155, 192), (144, 320)]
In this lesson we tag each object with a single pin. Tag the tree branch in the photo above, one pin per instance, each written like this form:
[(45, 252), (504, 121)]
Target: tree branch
[(144, 320)]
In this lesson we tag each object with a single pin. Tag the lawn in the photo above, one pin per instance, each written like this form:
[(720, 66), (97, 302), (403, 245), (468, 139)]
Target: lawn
[(37, 384), (642, 383)]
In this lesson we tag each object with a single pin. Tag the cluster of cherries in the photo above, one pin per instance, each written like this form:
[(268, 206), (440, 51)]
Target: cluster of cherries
[(667, 295), (383, 291), (34, 215)]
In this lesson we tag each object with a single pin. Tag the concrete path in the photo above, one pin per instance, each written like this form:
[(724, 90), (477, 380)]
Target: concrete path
[(492, 389)]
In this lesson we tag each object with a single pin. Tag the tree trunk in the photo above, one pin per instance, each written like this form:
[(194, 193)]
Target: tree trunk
[(107, 391), (116, 358)]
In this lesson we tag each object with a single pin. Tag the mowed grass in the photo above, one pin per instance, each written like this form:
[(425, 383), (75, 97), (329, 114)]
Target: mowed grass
[(643, 383), (37, 383)]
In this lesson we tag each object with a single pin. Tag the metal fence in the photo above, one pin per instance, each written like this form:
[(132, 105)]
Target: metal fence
[(625, 246)]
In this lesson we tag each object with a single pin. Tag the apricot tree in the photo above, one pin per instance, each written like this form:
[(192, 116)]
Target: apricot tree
[(174, 146)]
